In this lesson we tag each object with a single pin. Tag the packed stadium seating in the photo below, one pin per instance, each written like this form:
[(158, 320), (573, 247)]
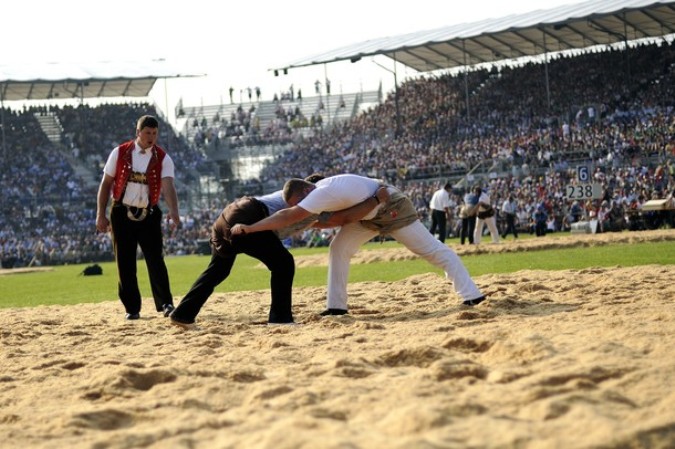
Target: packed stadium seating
[(611, 111)]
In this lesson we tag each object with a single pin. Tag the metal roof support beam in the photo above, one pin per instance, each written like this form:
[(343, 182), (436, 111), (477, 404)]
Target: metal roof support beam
[(477, 56), (51, 91), (599, 27), (66, 88), (426, 61), (668, 26), (101, 89), (3, 86), (486, 47), (398, 115), (393, 72), (506, 44), (625, 48), (461, 49), (447, 56), (327, 86), (624, 35), (616, 34), (534, 43), (126, 88), (440, 54), (548, 88), (466, 82), (583, 35), (635, 27), (559, 39)]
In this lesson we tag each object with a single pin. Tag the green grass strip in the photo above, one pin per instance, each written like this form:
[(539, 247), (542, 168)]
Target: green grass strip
[(64, 285)]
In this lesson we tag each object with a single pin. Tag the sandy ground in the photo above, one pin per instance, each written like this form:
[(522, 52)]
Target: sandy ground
[(564, 359)]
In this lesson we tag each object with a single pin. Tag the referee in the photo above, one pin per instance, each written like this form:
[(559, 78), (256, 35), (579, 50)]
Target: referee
[(440, 211)]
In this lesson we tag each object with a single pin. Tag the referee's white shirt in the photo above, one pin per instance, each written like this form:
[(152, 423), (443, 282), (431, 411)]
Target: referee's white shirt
[(440, 200)]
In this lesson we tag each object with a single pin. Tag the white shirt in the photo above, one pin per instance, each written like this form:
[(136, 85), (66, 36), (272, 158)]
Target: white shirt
[(484, 198), (340, 192), (509, 207), (440, 200)]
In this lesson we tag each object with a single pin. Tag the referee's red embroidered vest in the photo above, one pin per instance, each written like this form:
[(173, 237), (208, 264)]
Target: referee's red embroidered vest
[(124, 168)]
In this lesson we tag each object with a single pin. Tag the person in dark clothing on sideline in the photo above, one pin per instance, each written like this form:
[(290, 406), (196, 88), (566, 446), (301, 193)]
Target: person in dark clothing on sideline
[(468, 215), (440, 211), (509, 209), (540, 218)]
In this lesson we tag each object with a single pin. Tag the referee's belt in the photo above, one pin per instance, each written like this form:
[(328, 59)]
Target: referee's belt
[(137, 213), (137, 177)]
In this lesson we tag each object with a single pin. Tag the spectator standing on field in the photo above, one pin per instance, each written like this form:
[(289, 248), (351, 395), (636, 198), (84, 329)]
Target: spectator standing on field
[(509, 209), (440, 211), (467, 214)]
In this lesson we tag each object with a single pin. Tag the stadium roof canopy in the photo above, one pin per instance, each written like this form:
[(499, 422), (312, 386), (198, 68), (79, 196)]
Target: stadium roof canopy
[(567, 27), (62, 81)]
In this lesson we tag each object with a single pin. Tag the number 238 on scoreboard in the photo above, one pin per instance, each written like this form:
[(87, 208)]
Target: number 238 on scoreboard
[(583, 191)]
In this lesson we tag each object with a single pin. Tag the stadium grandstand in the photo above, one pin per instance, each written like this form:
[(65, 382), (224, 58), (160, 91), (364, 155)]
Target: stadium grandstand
[(598, 93)]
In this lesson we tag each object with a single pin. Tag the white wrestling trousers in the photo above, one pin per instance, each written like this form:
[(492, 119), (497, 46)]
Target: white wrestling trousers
[(415, 237), (491, 223)]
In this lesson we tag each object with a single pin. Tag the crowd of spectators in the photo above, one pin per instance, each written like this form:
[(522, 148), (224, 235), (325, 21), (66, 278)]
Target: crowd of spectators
[(91, 132), (612, 111), (47, 214), (434, 134), (42, 217), (243, 126)]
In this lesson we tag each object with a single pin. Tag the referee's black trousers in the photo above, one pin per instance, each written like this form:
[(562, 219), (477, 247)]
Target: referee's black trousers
[(128, 235), (439, 220)]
